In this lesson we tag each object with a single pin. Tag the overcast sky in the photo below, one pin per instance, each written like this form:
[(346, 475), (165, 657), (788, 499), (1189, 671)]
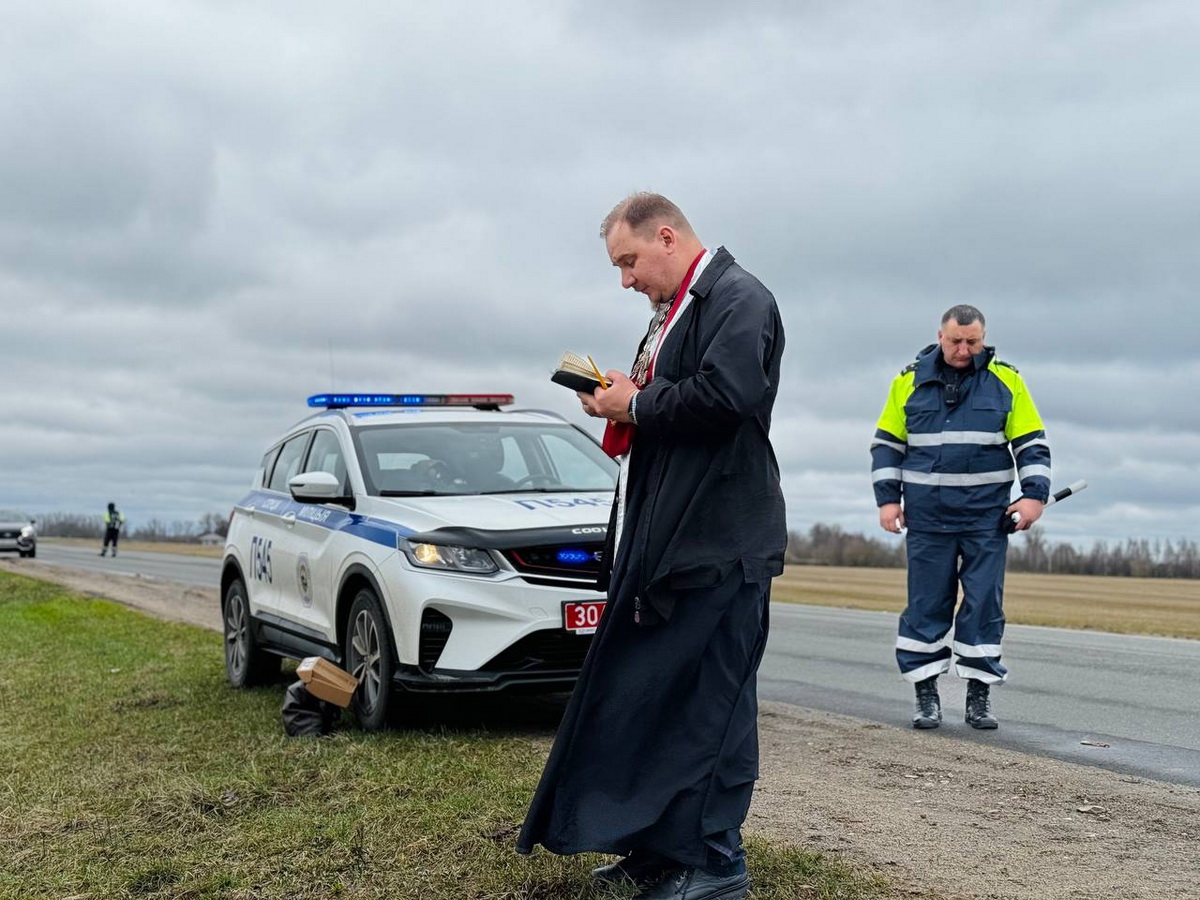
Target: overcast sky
[(209, 211)]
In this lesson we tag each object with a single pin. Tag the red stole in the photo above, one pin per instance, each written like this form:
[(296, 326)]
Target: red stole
[(618, 436)]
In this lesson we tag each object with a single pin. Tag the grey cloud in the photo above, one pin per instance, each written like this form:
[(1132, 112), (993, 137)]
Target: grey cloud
[(208, 203)]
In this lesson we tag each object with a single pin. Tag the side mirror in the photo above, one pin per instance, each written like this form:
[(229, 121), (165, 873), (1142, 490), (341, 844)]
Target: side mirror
[(318, 487)]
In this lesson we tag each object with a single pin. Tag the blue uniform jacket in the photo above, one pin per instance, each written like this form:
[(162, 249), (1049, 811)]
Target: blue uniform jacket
[(950, 453)]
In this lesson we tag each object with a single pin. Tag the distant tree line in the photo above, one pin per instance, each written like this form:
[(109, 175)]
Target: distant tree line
[(78, 525), (829, 545), (1134, 558)]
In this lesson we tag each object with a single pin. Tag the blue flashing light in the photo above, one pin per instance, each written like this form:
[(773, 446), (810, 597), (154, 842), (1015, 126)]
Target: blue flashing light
[(334, 401), (343, 401), (572, 557)]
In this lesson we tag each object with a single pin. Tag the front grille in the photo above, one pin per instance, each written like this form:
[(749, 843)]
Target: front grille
[(435, 631), (10, 534), (552, 649), (558, 565)]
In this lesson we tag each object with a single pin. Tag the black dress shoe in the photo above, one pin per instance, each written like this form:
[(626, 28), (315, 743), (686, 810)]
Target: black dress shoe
[(696, 884), (638, 868)]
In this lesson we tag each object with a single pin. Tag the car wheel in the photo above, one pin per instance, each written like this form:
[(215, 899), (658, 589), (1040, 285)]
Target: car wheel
[(32, 552), (245, 663), (369, 658)]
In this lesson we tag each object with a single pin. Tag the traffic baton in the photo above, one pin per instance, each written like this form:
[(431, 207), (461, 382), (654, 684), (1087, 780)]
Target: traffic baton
[(1011, 525)]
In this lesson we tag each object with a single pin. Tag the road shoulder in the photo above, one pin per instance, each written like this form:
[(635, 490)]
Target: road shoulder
[(963, 819), (166, 600)]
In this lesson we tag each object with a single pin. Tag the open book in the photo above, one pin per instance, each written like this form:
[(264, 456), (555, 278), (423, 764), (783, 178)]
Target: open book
[(578, 373)]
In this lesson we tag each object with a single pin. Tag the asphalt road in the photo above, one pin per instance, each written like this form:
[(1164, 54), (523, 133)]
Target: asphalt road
[(190, 570), (1138, 695)]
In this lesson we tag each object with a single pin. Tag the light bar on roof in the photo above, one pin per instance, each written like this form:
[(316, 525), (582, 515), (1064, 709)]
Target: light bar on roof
[(343, 401)]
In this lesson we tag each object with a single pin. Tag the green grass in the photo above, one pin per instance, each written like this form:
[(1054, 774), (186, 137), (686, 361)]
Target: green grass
[(131, 770)]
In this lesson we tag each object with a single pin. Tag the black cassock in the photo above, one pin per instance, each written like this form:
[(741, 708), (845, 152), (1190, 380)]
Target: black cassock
[(658, 747)]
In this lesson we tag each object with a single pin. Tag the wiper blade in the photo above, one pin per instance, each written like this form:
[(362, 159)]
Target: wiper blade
[(532, 490), (425, 493)]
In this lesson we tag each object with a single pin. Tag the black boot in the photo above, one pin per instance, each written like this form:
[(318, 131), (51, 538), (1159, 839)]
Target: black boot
[(928, 713), (979, 705), (640, 869), (696, 884)]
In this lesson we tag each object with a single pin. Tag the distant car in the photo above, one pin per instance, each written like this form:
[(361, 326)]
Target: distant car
[(19, 535), (425, 543)]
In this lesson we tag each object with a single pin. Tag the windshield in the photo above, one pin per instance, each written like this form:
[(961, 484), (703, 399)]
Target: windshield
[(480, 458)]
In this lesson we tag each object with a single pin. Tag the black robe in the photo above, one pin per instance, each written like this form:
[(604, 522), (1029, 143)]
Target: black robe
[(658, 747)]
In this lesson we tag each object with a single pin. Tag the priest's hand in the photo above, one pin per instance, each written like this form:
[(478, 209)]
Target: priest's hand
[(610, 403)]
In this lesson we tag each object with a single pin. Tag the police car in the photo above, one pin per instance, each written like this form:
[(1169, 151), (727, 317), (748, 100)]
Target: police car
[(423, 542)]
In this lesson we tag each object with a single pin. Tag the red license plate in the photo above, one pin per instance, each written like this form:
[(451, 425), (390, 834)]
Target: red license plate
[(582, 618)]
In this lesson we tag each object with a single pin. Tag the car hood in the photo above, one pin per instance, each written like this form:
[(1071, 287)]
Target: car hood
[(14, 526), (497, 512)]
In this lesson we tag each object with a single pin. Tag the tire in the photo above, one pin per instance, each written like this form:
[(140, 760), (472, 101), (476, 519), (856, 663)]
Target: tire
[(245, 663), (370, 657), (32, 553)]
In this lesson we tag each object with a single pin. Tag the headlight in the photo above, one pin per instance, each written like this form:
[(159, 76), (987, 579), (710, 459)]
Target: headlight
[(27, 532), (451, 559)]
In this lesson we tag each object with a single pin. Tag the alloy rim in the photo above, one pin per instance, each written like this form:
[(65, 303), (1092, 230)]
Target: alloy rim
[(235, 634), (364, 658)]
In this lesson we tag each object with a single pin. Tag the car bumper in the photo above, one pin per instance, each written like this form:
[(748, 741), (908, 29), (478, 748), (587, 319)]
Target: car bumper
[(413, 680), (467, 634)]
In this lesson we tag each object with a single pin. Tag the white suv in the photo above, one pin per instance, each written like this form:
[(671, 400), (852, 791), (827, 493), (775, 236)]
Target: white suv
[(422, 542), (18, 533)]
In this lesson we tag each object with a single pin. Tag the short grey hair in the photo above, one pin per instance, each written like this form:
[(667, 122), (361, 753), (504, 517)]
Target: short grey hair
[(644, 210), (964, 314)]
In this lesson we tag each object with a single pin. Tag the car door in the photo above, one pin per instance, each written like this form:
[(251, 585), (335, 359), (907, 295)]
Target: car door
[(244, 537), (272, 555), (317, 541)]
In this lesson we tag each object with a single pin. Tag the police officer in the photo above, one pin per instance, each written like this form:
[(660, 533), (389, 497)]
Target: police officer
[(943, 467), (113, 520)]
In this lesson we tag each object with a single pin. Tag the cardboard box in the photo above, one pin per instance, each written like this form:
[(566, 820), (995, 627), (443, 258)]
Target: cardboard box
[(327, 681)]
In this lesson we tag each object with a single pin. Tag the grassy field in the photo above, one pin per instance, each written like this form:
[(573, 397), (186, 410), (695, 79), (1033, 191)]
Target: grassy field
[(1162, 606), (131, 770)]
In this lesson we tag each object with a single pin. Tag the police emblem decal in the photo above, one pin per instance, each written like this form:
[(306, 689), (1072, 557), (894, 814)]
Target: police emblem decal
[(304, 580)]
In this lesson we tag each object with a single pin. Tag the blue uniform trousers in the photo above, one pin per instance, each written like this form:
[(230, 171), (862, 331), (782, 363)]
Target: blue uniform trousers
[(937, 563)]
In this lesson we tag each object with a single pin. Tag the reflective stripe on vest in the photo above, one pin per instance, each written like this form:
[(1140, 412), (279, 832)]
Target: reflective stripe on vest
[(950, 479)]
